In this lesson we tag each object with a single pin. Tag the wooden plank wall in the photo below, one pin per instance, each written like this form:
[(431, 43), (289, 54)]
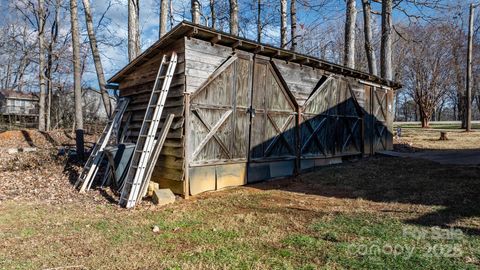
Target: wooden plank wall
[(202, 59), (301, 80), (138, 86)]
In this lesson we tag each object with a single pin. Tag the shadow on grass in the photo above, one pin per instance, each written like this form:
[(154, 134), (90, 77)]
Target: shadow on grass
[(454, 189)]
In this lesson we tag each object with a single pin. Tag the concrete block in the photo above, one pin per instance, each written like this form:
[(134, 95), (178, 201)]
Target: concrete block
[(163, 196), (152, 186), (12, 150), (29, 149)]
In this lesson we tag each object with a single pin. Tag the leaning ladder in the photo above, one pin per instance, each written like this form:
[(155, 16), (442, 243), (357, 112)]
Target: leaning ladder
[(90, 169), (146, 138)]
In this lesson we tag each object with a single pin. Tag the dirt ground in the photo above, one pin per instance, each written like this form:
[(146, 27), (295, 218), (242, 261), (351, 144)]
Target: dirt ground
[(319, 220)]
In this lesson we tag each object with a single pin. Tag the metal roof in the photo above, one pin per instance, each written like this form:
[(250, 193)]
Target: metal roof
[(188, 29)]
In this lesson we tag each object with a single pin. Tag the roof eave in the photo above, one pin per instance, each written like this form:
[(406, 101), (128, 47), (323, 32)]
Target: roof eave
[(215, 37)]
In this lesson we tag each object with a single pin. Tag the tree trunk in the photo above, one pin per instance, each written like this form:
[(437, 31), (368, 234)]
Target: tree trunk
[(293, 24), (50, 62), (77, 88), (212, 14), (370, 52), (351, 18), (41, 65), (425, 121), (96, 58), (386, 47), (133, 29), (234, 17), (163, 17), (259, 21), (171, 13), (195, 12), (283, 23)]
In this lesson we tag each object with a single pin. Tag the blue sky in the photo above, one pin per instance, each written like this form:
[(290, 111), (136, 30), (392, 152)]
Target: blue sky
[(114, 58)]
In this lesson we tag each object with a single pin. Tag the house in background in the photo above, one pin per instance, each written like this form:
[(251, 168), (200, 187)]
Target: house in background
[(18, 108)]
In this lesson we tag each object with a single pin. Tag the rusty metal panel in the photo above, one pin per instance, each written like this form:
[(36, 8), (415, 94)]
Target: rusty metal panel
[(202, 179), (230, 175)]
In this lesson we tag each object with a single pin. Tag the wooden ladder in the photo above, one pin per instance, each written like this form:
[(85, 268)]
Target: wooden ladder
[(140, 162), (90, 169)]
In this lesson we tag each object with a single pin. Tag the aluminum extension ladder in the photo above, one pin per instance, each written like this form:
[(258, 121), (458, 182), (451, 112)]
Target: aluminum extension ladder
[(90, 169), (146, 139)]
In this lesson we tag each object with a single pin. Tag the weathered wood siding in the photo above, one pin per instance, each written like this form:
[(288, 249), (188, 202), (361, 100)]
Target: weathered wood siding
[(137, 86), (273, 127), (241, 117), (219, 121), (202, 59), (301, 80), (379, 119)]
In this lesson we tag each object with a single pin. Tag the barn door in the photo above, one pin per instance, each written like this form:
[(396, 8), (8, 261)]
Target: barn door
[(330, 121), (381, 105), (273, 135), (220, 118)]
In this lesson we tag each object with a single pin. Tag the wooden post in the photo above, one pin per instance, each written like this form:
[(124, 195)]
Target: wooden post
[(186, 149)]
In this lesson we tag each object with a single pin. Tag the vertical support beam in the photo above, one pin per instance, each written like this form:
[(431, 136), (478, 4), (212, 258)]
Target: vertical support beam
[(298, 142), (186, 148)]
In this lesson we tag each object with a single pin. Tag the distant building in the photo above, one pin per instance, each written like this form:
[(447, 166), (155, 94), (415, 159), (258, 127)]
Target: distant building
[(18, 103), (18, 109)]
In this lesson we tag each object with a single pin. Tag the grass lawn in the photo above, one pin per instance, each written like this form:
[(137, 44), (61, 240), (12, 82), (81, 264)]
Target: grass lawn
[(380, 213), (420, 139)]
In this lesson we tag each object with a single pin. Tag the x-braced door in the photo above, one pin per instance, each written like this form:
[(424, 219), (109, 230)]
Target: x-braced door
[(381, 100), (273, 117), (219, 116), (330, 121)]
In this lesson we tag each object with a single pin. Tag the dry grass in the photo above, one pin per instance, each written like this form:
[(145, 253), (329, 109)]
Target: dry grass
[(419, 139), (309, 222), (316, 221)]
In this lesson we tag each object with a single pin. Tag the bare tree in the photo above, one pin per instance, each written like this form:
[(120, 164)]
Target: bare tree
[(163, 17), (133, 29), (427, 68), (96, 57), (77, 90), (195, 12), (350, 21), (234, 17), (283, 23), (41, 64), (51, 58), (367, 29), (213, 14), (386, 47), (293, 24), (259, 21)]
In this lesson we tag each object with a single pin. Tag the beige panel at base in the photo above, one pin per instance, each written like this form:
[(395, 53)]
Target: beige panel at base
[(202, 179), (231, 175)]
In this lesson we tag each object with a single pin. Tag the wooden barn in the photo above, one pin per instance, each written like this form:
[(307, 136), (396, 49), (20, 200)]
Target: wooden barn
[(247, 112)]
